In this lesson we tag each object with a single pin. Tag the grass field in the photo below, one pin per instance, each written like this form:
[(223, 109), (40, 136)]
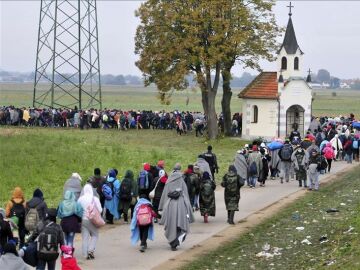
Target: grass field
[(126, 97), (45, 158), (339, 247)]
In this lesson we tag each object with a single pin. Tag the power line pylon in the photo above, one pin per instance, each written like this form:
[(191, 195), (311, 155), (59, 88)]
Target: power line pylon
[(67, 72)]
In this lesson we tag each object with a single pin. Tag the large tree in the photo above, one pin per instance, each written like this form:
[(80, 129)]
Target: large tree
[(203, 37)]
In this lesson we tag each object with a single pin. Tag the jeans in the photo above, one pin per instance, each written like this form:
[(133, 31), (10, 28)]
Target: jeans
[(252, 180), (314, 180), (69, 238), (349, 158), (285, 167), (42, 265)]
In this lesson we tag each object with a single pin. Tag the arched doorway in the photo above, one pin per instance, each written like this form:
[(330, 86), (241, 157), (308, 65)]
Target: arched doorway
[(295, 117)]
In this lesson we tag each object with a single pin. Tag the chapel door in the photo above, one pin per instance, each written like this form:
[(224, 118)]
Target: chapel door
[(295, 118)]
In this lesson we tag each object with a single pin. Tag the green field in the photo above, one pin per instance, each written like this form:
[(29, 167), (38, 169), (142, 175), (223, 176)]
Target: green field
[(138, 98), (340, 249), (45, 158)]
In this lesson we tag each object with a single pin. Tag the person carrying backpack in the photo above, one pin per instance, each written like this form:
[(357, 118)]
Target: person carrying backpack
[(356, 147), (89, 232), (300, 159), (211, 159), (70, 212), (16, 208), (329, 154), (142, 223), (285, 154), (145, 180), (192, 182), (126, 194), (255, 166), (207, 197), (36, 210), (49, 237), (232, 183), (111, 190), (264, 173), (314, 170), (348, 149)]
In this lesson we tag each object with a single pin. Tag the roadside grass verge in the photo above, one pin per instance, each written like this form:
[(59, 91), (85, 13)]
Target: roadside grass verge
[(333, 238), (45, 158)]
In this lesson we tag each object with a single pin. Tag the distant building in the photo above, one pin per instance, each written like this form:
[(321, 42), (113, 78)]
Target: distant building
[(276, 102)]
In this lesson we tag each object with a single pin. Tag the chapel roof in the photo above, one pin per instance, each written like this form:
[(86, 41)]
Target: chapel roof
[(290, 42), (264, 86)]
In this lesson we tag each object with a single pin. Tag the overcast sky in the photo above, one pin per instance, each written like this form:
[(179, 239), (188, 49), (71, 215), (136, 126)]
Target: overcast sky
[(328, 32)]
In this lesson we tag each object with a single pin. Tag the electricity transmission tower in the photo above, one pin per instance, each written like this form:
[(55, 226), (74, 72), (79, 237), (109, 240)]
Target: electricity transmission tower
[(67, 72)]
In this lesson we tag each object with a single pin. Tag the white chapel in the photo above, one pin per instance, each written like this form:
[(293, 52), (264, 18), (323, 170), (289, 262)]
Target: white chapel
[(276, 102)]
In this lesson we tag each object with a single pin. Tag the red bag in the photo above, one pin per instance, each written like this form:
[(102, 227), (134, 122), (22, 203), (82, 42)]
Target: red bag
[(144, 215), (69, 264)]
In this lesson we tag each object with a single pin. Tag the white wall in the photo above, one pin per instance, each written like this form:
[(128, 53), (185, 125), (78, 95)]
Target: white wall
[(267, 119), (296, 92)]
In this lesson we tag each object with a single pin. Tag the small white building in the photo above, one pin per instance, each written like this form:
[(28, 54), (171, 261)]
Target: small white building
[(276, 102)]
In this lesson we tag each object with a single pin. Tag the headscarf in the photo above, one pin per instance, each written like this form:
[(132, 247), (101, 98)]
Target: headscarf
[(38, 194), (69, 206), (18, 194), (88, 195)]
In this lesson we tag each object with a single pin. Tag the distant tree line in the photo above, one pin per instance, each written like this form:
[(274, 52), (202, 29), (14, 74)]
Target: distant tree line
[(109, 79)]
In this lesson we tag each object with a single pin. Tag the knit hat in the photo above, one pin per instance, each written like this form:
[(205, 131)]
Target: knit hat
[(161, 173), (38, 193), (147, 167)]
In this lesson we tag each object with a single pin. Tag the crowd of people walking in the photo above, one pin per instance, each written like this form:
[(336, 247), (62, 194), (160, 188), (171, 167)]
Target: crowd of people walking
[(30, 233)]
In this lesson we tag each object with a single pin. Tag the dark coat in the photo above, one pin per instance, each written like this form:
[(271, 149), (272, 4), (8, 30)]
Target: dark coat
[(232, 184), (207, 202), (39, 204), (5, 232)]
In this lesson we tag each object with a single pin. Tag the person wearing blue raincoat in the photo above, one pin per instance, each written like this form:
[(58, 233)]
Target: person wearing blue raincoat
[(111, 205), (138, 232)]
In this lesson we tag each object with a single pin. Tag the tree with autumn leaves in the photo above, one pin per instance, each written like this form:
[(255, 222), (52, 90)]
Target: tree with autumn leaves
[(205, 38)]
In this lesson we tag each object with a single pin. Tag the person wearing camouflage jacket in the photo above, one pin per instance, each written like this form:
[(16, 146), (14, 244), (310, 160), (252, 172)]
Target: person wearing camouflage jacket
[(232, 183)]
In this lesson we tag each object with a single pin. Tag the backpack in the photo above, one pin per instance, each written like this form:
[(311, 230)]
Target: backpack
[(207, 192), (32, 219), (286, 152), (125, 190), (144, 180), (48, 243), (144, 215), (253, 169), (108, 190), (299, 157), (18, 210), (355, 144)]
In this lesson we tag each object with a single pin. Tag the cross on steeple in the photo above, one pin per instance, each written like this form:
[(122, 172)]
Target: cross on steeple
[(290, 6), (309, 71), (308, 79)]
